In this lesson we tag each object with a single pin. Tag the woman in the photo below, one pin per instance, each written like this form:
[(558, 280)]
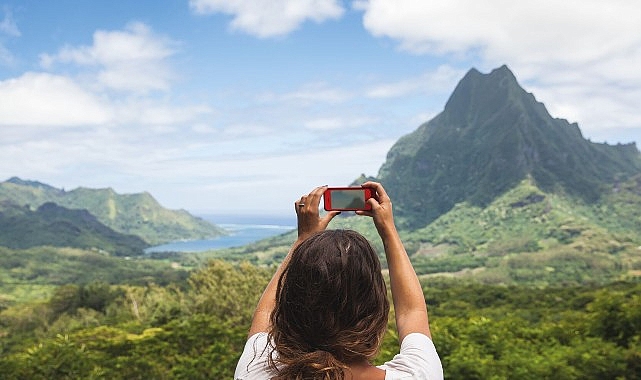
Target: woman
[(324, 313)]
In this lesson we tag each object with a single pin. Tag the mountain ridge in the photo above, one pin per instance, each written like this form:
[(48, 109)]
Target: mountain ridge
[(491, 135), (54, 225), (131, 214)]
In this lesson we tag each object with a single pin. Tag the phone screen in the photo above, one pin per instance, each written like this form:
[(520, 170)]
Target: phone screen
[(347, 198)]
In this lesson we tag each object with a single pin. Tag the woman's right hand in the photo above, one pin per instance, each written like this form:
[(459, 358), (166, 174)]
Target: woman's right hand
[(407, 292), (381, 211)]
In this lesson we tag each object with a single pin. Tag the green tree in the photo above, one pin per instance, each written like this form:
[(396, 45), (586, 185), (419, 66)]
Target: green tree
[(59, 358), (616, 315), (226, 291)]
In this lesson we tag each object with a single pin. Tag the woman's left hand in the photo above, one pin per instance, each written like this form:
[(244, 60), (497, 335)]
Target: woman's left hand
[(308, 215)]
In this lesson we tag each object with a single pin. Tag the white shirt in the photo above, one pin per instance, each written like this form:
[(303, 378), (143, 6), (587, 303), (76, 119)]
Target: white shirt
[(418, 360)]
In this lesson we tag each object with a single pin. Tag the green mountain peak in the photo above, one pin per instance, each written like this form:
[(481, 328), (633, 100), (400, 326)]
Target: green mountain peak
[(490, 136)]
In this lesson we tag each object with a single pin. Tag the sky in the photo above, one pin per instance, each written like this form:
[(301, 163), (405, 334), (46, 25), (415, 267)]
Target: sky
[(242, 106)]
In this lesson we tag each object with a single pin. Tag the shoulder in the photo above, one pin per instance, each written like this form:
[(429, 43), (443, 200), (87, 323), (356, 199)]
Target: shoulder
[(417, 359), (254, 361)]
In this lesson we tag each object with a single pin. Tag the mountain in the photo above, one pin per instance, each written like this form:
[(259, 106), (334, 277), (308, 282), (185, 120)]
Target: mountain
[(494, 189), (131, 214), (490, 136), (53, 225)]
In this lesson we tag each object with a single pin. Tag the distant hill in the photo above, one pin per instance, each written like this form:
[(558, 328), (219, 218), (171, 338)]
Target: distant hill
[(132, 214), (53, 225), (492, 135)]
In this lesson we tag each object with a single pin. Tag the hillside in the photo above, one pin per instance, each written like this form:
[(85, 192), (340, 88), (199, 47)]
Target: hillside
[(53, 225), (131, 214), (490, 136), (533, 237)]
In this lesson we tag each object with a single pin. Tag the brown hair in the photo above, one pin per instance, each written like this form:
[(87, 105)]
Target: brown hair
[(331, 307)]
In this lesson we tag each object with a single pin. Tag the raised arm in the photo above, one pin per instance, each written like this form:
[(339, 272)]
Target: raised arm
[(407, 294), (309, 222)]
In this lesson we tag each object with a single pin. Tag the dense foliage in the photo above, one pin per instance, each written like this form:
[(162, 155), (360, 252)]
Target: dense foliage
[(494, 332), (33, 273), (191, 330), (196, 329)]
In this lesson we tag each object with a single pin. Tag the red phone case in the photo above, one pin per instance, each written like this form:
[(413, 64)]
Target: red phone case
[(329, 206)]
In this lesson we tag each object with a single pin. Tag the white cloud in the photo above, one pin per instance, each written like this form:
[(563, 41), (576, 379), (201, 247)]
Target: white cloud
[(267, 184), (237, 130), (589, 29), (333, 123), (325, 124), (9, 28), (584, 53), (317, 92), (444, 78), (269, 18), (152, 112), (133, 59), (46, 99), (6, 57), (8, 25)]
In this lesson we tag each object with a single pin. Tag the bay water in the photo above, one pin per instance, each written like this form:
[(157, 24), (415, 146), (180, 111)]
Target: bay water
[(241, 229)]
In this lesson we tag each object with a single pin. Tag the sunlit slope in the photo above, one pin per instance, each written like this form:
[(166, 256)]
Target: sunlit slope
[(527, 235)]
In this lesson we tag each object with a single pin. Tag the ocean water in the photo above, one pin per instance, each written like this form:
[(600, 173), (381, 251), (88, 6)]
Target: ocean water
[(242, 229)]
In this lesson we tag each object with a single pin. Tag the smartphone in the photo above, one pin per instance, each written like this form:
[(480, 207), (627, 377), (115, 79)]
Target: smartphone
[(347, 198)]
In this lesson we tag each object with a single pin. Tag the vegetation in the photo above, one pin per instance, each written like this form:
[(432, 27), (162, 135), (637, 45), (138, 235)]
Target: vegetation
[(527, 236), (32, 274), (129, 332), (496, 332), (196, 329)]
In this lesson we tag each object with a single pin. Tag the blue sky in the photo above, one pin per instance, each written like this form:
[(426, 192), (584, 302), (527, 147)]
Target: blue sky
[(241, 106)]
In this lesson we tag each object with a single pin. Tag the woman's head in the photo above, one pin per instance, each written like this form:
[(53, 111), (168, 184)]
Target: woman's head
[(331, 306)]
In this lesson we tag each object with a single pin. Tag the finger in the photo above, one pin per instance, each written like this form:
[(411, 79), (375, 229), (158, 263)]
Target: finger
[(299, 205), (364, 213), (329, 216), (373, 203), (313, 198), (380, 190), (373, 206)]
